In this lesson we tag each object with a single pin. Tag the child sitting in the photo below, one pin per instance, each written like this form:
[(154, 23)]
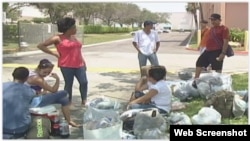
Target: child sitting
[(158, 94)]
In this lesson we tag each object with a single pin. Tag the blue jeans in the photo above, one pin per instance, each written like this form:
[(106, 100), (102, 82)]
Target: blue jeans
[(143, 59), (59, 97), (80, 74)]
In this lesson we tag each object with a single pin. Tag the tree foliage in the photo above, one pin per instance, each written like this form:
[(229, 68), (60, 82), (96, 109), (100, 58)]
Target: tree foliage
[(192, 8), (108, 13), (13, 10), (54, 10)]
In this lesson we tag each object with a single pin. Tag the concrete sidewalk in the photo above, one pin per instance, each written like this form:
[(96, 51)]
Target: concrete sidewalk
[(114, 74)]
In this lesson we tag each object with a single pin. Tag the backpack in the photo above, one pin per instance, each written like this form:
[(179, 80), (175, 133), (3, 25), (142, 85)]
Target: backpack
[(222, 101), (40, 128)]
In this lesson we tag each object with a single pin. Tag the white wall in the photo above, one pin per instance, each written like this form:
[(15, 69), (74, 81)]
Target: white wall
[(181, 20), (31, 12)]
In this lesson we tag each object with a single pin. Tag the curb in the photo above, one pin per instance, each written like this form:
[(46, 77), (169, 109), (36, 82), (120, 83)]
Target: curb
[(236, 52)]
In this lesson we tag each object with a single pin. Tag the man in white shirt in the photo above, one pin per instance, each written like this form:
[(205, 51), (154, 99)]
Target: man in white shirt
[(147, 43)]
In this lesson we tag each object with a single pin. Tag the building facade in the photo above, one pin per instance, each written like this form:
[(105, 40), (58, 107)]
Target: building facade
[(233, 14)]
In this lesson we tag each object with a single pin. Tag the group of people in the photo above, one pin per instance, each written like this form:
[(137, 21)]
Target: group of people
[(29, 88), (213, 48)]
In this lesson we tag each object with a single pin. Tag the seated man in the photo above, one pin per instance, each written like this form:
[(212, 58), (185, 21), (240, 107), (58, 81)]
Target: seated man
[(158, 93), (16, 102)]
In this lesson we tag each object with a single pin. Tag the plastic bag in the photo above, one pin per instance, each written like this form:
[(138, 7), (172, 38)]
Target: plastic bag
[(185, 75), (101, 107), (179, 118), (153, 119), (207, 115), (213, 82), (153, 133), (101, 120), (239, 106), (186, 91)]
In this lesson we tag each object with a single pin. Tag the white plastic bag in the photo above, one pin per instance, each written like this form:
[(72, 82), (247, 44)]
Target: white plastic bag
[(152, 118), (239, 106), (101, 120), (210, 83), (179, 118), (207, 115)]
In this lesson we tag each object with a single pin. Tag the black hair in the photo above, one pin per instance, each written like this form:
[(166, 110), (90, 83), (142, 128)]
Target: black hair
[(157, 72), (20, 73), (146, 23), (64, 24), (45, 63)]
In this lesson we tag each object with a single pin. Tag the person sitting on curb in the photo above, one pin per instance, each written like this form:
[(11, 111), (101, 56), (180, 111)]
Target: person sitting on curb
[(16, 102), (158, 95), (47, 94)]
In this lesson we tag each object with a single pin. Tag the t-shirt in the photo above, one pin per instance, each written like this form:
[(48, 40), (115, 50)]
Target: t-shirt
[(220, 32), (70, 53), (204, 36), (16, 100), (162, 99), (146, 42)]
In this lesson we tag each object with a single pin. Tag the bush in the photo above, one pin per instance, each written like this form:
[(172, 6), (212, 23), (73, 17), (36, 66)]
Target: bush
[(10, 33), (98, 29), (237, 35), (41, 20)]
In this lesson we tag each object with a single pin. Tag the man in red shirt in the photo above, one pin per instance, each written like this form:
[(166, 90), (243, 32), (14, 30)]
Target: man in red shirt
[(216, 47)]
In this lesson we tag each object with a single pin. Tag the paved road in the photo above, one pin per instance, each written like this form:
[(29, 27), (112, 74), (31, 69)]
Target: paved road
[(113, 67)]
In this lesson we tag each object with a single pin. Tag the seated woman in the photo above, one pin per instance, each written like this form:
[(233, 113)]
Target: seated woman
[(46, 94), (158, 93)]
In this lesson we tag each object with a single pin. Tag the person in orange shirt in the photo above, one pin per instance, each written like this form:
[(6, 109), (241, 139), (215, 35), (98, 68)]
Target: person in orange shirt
[(216, 47), (204, 35)]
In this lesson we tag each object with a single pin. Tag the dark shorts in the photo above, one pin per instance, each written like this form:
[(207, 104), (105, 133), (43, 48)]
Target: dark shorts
[(209, 57)]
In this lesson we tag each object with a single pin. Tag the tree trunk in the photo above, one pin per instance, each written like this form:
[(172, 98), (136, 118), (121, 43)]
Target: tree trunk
[(195, 21), (201, 11)]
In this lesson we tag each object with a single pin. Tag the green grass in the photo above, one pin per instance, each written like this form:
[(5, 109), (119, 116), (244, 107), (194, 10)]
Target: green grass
[(87, 40), (240, 82), (99, 38)]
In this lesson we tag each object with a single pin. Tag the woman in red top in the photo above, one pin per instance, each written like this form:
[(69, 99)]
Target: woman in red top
[(69, 54)]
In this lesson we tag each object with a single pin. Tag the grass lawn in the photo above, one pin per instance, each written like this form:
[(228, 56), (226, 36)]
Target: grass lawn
[(240, 82), (87, 40), (99, 38)]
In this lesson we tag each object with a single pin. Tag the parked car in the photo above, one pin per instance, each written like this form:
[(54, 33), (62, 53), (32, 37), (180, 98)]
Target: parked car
[(166, 30)]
